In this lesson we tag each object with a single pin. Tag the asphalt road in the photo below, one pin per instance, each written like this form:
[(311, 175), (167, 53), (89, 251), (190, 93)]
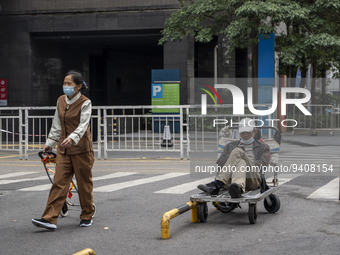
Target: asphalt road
[(133, 191)]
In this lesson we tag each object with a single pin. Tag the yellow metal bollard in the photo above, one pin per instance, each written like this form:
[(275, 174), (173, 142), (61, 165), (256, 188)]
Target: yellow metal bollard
[(87, 251), (194, 215), (165, 223)]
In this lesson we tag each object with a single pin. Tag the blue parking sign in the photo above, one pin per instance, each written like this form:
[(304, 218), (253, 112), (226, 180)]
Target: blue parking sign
[(157, 90)]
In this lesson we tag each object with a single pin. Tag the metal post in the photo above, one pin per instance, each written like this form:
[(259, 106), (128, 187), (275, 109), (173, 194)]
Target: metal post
[(26, 133), (188, 138), (20, 133), (99, 133), (105, 132), (180, 131)]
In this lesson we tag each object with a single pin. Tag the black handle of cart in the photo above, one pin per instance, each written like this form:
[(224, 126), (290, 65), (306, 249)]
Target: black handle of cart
[(42, 155)]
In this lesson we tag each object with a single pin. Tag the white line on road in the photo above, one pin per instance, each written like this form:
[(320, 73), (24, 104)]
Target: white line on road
[(37, 188), (186, 187), (3, 176), (330, 191), (2, 182), (104, 177), (282, 180), (114, 175), (123, 185)]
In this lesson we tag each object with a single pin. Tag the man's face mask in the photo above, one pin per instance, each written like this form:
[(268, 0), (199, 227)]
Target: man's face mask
[(249, 141)]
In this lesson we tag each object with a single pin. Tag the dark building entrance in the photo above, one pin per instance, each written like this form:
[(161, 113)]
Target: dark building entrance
[(116, 65)]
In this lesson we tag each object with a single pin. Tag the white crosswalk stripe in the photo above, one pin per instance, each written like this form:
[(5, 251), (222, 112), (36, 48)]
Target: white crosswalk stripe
[(114, 175), (2, 182), (38, 187), (123, 185), (104, 177), (330, 191), (283, 180), (184, 188), (3, 176)]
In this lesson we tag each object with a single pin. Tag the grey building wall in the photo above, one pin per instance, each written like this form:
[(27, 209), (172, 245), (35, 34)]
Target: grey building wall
[(31, 6), (113, 43), (42, 40)]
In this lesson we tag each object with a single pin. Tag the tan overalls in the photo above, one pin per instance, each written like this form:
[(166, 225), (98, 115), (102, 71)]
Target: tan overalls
[(78, 160)]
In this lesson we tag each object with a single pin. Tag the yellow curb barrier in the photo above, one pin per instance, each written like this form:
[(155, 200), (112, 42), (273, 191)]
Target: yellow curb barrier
[(165, 222), (87, 251)]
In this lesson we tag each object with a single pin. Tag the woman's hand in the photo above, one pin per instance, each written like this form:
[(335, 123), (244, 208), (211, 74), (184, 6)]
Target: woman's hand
[(67, 143), (47, 148)]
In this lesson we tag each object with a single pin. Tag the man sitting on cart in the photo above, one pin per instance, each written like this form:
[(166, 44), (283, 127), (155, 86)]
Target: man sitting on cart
[(243, 160)]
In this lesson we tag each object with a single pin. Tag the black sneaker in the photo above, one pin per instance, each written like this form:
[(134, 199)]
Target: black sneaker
[(235, 190), (213, 188), (86, 223), (42, 223)]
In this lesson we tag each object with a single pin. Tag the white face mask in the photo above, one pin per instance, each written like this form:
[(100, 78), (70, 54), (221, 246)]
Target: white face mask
[(249, 141), (68, 90)]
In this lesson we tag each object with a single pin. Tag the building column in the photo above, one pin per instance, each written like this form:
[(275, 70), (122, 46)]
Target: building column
[(180, 55)]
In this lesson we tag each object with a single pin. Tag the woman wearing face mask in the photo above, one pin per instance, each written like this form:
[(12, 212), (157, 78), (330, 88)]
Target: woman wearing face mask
[(71, 132), (239, 163)]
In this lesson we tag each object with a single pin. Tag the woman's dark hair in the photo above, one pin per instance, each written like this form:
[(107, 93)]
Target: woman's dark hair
[(77, 78)]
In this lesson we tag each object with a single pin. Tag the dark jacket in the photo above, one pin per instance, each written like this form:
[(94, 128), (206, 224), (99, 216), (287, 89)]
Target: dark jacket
[(261, 153)]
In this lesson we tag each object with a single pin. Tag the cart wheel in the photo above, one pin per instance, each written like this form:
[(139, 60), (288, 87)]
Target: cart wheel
[(225, 207), (94, 213), (202, 212), (252, 213), (275, 203), (64, 210)]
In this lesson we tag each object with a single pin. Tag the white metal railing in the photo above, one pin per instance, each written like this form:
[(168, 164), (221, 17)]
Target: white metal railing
[(10, 123), (25, 129), (323, 117), (139, 128)]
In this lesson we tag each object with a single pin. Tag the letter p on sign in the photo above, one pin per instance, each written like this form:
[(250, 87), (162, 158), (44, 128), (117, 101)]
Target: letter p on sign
[(157, 90)]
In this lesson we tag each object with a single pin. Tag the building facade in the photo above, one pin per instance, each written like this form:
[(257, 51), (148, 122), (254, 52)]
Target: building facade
[(113, 43)]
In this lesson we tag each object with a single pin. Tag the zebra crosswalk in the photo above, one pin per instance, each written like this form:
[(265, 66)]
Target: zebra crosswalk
[(29, 182)]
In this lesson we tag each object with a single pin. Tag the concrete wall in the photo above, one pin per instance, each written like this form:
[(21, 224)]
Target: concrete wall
[(113, 43), (34, 66), (18, 6)]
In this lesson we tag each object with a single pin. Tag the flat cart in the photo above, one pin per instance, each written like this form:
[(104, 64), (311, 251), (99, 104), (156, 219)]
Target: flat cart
[(224, 203)]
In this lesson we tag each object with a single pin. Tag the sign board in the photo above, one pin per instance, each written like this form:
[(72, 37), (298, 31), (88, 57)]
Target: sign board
[(3, 92), (165, 94), (165, 90), (266, 67)]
